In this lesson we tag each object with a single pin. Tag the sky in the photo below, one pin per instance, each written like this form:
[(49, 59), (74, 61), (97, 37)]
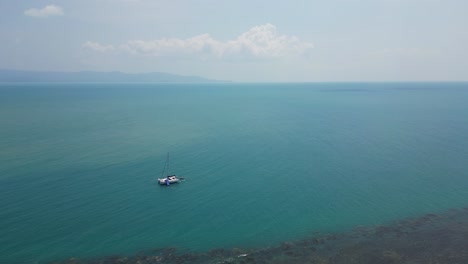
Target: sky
[(239, 40)]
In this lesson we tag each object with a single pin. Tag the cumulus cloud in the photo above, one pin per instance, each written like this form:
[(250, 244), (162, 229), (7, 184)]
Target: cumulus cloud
[(98, 47), (261, 42), (50, 10)]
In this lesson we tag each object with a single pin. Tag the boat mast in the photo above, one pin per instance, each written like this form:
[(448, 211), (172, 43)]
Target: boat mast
[(167, 162), (165, 171)]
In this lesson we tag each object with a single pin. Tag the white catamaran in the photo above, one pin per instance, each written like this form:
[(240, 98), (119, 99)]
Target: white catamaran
[(166, 178)]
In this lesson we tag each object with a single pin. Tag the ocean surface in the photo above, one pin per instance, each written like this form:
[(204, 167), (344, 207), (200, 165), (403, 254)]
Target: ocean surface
[(264, 163)]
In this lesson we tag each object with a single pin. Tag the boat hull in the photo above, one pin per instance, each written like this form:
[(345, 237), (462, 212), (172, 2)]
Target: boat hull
[(170, 179)]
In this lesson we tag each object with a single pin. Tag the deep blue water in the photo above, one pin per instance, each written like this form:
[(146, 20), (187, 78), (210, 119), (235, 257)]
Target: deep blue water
[(264, 163)]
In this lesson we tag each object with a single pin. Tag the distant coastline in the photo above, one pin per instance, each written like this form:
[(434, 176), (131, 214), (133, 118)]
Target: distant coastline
[(9, 75)]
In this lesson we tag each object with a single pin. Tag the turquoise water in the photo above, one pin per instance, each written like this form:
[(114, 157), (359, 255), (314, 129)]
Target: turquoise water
[(264, 163)]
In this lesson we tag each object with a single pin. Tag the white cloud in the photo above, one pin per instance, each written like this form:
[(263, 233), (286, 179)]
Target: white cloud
[(260, 42), (50, 10), (98, 47)]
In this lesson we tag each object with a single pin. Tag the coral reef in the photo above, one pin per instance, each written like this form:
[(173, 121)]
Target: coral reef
[(431, 238)]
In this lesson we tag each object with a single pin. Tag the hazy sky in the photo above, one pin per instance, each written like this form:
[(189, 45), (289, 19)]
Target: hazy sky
[(254, 40)]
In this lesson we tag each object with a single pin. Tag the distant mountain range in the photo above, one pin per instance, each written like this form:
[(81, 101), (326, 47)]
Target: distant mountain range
[(91, 76)]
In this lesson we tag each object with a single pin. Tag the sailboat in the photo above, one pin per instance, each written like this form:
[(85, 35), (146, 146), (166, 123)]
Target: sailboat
[(167, 179)]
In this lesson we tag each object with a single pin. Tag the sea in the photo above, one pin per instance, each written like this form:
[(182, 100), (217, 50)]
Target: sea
[(263, 163)]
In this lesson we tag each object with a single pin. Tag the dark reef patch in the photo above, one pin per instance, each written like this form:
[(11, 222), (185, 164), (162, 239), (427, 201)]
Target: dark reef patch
[(431, 238)]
